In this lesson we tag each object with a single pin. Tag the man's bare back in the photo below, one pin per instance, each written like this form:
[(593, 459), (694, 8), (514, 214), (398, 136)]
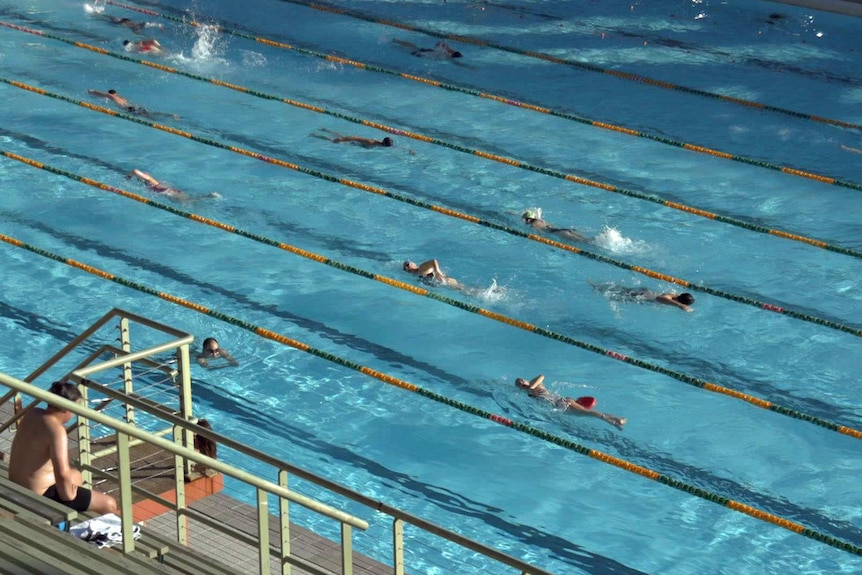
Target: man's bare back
[(31, 451), (39, 458)]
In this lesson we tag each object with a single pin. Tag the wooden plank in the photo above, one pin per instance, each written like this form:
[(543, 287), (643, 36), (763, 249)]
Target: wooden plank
[(56, 513)]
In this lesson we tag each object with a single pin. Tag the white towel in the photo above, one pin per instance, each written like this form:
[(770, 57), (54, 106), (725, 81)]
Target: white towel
[(104, 531)]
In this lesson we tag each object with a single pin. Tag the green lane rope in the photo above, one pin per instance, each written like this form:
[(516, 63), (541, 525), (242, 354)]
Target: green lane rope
[(402, 384), (503, 100), (479, 153), (574, 63), (442, 210), (415, 290)]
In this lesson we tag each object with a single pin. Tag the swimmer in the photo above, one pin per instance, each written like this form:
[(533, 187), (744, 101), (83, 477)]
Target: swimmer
[(127, 106), (337, 138), (173, 193), (683, 301), (581, 406), (533, 218), (150, 45), (113, 96), (430, 272), (440, 51), (212, 350)]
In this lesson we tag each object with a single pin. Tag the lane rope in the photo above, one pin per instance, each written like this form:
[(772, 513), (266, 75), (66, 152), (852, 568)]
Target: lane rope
[(402, 384), (573, 63), (474, 152), (443, 210), (416, 290), (509, 101)]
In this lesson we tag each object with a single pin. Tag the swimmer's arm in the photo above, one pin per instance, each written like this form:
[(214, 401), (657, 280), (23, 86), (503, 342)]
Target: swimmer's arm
[(202, 361), (536, 381), (98, 94), (59, 445), (228, 357), (668, 299)]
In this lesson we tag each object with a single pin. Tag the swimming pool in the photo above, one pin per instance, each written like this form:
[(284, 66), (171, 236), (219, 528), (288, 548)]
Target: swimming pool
[(531, 498)]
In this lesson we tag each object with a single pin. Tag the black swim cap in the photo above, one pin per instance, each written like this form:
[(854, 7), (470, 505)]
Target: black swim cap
[(387, 141), (457, 55)]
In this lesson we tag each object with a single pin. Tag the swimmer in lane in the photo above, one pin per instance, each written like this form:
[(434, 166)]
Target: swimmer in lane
[(430, 272), (582, 406), (336, 138), (440, 51), (533, 218), (168, 191), (148, 46), (683, 301), (126, 106)]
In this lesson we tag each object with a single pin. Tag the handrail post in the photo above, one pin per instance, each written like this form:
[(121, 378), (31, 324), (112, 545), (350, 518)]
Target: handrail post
[(85, 447), (126, 345), (263, 531), (346, 549), (284, 519), (398, 546), (124, 476), (185, 385), (180, 465)]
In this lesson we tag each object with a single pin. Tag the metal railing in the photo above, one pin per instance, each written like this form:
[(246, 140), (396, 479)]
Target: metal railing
[(180, 423)]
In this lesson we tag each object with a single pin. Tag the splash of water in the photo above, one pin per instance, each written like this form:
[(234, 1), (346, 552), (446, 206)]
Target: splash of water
[(206, 45), (612, 240), (97, 7)]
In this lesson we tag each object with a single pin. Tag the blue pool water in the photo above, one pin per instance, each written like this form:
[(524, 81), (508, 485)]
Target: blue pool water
[(565, 512)]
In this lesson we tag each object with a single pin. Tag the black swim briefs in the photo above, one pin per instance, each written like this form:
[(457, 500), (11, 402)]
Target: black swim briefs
[(80, 503)]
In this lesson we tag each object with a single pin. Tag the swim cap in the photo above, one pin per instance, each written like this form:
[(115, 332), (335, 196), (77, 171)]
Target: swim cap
[(387, 142), (533, 214)]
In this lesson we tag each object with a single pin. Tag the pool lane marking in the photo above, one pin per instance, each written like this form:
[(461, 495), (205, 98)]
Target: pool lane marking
[(489, 156), (415, 290), (617, 462), (508, 101), (446, 211), (548, 58), (486, 155)]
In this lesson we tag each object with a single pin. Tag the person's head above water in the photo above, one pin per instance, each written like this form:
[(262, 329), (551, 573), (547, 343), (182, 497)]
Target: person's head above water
[(387, 141), (112, 91), (522, 383), (456, 54), (532, 214), (684, 298), (409, 266)]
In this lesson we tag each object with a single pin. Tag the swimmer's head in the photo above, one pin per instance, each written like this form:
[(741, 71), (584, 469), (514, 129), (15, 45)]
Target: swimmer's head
[(409, 266), (522, 383), (387, 141), (126, 43), (685, 298), (456, 55), (112, 91), (532, 214)]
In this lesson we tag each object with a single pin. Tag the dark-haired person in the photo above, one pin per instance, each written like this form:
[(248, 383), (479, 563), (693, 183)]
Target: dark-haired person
[(127, 106), (440, 51), (39, 458), (212, 350), (337, 138), (614, 292), (582, 406)]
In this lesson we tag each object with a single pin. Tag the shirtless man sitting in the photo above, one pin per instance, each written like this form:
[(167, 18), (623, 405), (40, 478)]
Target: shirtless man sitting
[(39, 458)]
